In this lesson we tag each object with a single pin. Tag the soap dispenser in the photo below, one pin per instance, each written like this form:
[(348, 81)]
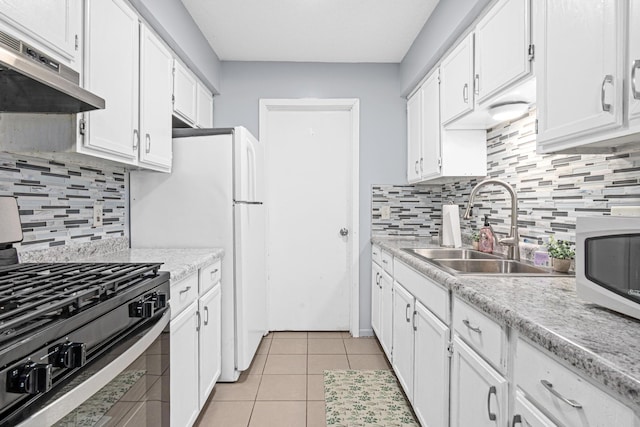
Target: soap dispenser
[(487, 238)]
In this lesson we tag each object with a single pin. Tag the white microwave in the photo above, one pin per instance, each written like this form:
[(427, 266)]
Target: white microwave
[(608, 262)]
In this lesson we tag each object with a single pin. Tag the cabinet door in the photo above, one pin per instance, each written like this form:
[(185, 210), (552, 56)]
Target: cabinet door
[(431, 373), (478, 392), (579, 73), (111, 71), (456, 74), (184, 367), (414, 136), (501, 47), (184, 93), (525, 414), (376, 294), (55, 25), (430, 160), (210, 342), (634, 59), (386, 313), (403, 338), (205, 107), (156, 79)]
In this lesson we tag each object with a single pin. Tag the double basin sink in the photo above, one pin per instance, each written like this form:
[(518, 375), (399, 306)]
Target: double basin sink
[(469, 261)]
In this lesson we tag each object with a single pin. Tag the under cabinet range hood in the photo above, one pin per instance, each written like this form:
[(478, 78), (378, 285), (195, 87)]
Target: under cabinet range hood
[(32, 82)]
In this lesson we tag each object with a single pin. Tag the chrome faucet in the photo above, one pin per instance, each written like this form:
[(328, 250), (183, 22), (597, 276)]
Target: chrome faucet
[(513, 239)]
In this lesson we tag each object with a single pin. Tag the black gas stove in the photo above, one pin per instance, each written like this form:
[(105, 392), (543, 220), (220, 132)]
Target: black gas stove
[(57, 319)]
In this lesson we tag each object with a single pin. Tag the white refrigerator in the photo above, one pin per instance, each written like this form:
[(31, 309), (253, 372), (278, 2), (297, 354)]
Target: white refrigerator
[(214, 197)]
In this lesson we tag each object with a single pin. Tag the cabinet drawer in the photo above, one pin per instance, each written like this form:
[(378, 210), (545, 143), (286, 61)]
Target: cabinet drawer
[(209, 276), (387, 262), (376, 254), (429, 293), (482, 333), (532, 367), (183, 293)]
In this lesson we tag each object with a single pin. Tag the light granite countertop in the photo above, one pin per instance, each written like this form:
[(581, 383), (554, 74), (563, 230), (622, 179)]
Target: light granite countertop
[(180, 263), (601, 344)]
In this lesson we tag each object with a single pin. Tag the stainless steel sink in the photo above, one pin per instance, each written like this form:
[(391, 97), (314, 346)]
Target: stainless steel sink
[(446, 253)]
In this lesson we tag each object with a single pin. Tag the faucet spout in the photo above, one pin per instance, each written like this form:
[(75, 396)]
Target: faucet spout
[(513, 239)]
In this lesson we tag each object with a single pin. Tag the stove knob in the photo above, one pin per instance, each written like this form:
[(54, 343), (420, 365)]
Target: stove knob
[(69, 355), (144, 309), (159, 300), (29, 378)]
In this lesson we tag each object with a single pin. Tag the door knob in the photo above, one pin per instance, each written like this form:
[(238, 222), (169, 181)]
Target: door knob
[(344, 232)]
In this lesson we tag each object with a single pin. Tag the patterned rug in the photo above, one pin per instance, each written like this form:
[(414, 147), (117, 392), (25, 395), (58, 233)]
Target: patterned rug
[(365, 399)]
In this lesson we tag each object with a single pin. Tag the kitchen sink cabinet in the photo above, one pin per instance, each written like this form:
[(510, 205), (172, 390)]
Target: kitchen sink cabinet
[(53, 25), (478, 392), (135, 126), (457, 89), (580, 74)]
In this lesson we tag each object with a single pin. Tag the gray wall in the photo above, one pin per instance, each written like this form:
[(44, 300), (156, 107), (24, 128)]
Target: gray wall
[(174, 24), (382, 123), (447, 22)]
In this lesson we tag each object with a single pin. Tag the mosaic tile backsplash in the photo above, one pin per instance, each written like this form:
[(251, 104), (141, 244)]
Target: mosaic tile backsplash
[(553, 190), (56, 200)]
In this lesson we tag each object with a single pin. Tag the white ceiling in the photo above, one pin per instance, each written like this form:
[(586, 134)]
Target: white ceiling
[(311, 30)]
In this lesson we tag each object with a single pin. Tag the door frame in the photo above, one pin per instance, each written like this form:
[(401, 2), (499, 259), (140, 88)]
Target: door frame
[(351, 105)]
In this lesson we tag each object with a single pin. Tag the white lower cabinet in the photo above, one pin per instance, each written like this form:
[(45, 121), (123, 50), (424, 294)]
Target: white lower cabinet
[(478, 392), (381, 301), (195, 334), (403, 306), (184, 367), (376, 299), (525, 414)]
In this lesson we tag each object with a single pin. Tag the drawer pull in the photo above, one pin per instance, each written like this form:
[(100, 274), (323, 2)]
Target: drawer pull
[(473, 328), (553, 391), (384, 261), (213, 273), (187, 289), (492, 390), (517, 419), (406, 315)]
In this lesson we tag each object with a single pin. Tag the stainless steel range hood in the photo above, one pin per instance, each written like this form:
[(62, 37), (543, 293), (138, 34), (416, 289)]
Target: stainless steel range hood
[(32, 82)]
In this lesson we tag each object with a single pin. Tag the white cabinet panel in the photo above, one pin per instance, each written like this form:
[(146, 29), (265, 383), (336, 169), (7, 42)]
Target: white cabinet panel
[(414, 136), (55, 25), (386, 313), (204, 112), (501, 44), (456, 74), (431, 373), (184, 367), (430, 158), (376, 299), (209, 307), (634, 66), (184, 93), (403, 338), (156, 79), (525, 414), (478, 392), (111, 71), (579, 68)]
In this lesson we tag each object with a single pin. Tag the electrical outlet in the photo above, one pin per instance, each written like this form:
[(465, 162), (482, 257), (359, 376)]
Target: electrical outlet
[(385, 212), (97, 215)]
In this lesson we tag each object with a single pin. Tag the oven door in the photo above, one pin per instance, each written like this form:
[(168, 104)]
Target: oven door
[(128, 386)]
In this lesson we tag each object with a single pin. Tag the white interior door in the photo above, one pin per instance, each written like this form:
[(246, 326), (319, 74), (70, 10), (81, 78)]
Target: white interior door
[(310, 195)]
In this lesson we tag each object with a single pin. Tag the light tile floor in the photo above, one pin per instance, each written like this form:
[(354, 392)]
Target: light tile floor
[(284, 386)]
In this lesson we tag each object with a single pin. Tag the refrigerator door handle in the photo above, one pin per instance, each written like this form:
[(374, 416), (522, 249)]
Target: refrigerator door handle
[(252, 170)]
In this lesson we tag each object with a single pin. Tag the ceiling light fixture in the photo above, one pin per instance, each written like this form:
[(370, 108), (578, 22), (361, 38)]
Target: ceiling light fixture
[(508, 110)]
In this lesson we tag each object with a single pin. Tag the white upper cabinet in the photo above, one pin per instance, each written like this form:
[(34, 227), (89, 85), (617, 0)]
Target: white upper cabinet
[(430, 158), (502, 40), (53, 25), (414, 136), (456, 72), (580, 72), (204, 111), (156, 79), (634, 65), (111, 71), (185, 90)]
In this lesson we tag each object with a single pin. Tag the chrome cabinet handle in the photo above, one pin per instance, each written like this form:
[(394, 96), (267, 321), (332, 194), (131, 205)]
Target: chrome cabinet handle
[(607, 79), (421, 164), (477, 84), (492, 390), (634, 87), (553, 391), (198, 321), (465, 93), (147, 138), (473, 328), (213, 274), (517, 419), (378, 277), (206, 317), (416, 167), (136, 139), (415, 328), (405, 313), (187, 289)]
